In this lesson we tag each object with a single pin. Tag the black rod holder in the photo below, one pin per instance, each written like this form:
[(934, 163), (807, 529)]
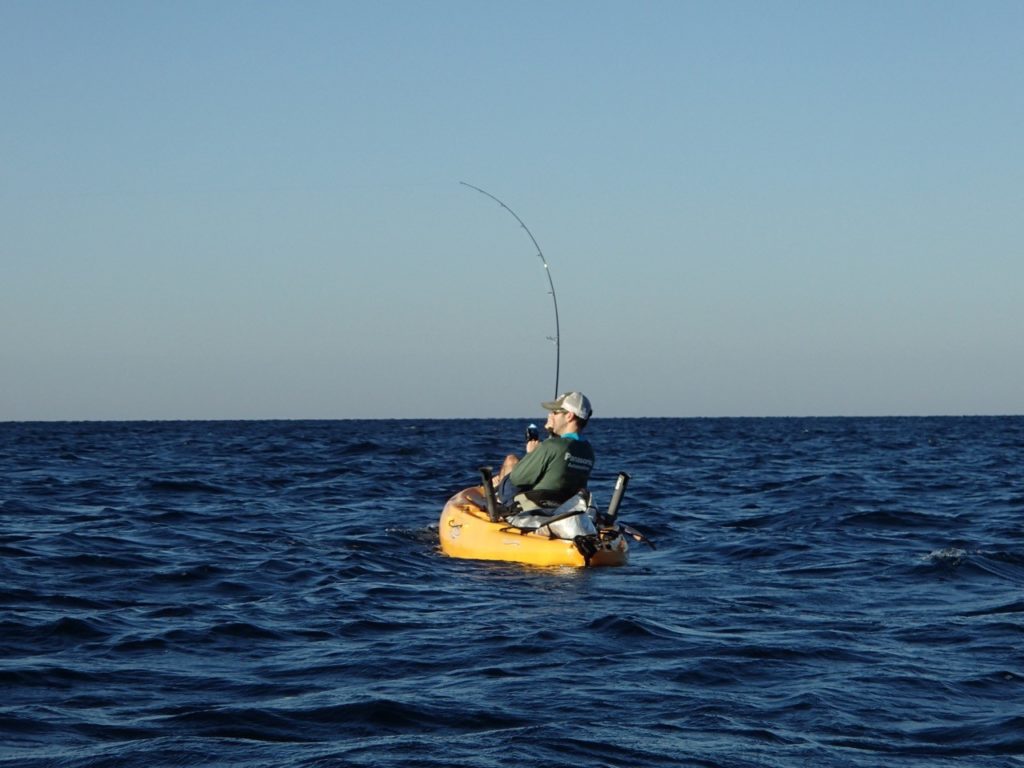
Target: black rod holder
[(487, 479)]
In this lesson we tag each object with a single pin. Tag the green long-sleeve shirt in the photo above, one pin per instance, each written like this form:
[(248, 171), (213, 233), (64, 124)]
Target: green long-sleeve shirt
[(556, 469)]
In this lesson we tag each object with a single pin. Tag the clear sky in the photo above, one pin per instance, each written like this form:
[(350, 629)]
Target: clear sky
[(252, 209)]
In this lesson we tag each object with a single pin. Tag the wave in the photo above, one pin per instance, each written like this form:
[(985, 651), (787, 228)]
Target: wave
[(367, 717), (181, 486), (825, 592)]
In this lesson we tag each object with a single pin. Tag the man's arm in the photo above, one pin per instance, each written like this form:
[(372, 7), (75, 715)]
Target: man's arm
[(531, 467)]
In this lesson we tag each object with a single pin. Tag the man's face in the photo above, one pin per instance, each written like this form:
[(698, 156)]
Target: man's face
[(558, 422)]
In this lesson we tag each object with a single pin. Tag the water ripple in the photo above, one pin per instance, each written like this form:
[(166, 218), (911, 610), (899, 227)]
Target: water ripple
[(828, 592)]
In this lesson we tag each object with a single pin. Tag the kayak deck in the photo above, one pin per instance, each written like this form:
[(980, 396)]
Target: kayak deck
[(466, 531)]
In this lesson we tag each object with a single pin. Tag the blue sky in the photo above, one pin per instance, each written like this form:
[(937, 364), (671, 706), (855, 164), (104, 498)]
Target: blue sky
[(252, 209)]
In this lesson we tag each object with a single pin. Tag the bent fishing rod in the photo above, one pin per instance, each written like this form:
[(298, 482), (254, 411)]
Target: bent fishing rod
[(547, 270)]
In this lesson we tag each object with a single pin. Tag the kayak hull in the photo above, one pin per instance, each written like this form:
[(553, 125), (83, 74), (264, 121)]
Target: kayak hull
[(466, 531)]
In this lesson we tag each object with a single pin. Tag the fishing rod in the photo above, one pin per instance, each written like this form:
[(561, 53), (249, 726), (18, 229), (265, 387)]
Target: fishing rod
[(547, 270)]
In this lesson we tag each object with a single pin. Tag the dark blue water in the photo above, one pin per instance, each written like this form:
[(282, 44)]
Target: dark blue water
[(825, 592)]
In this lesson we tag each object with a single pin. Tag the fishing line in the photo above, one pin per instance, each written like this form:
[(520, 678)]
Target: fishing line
[(547, 270)]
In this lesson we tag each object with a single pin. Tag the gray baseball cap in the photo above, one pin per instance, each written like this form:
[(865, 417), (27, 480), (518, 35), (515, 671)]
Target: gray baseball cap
[(575, 403)]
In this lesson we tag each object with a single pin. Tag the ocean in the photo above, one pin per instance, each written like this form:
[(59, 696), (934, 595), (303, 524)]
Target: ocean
[(824, 592)]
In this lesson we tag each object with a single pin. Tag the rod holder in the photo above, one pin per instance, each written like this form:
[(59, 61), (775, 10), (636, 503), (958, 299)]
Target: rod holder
[(487, 478), (620, 489)]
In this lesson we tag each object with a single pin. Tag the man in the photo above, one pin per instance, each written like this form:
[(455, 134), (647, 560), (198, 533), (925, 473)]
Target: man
[(554, 470)]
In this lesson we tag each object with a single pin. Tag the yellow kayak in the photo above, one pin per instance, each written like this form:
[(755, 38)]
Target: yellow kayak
[(466, 531)]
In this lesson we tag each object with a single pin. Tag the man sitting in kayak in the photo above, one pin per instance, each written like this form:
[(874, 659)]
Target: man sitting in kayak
[(555, 469)]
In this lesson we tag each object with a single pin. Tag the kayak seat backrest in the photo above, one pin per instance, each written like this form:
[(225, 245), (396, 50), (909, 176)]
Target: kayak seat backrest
[(568, 527)]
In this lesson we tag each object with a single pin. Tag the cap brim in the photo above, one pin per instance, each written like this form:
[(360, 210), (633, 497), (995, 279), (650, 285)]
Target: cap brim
[(554, 405)]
